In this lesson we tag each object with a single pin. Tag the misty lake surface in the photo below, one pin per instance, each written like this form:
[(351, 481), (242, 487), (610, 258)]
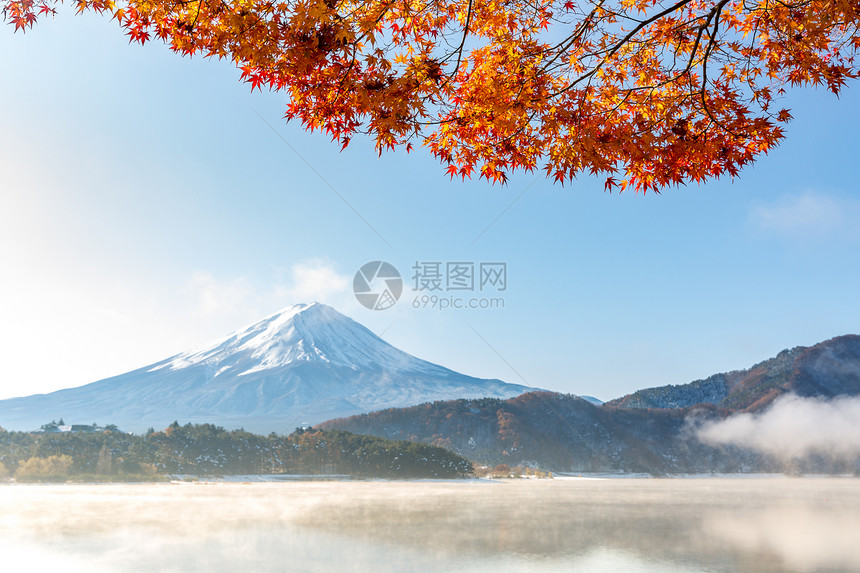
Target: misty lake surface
[(625, 525)]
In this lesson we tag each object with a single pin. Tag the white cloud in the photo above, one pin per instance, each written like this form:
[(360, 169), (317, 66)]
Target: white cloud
[(243, 299), (793, 427), (808, 215), (220, 297), (317, 280)]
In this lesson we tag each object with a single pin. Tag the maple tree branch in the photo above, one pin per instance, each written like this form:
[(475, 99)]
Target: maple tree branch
[(459, 50), (588, 20), (621, 88), (618, 45), (712, 40)]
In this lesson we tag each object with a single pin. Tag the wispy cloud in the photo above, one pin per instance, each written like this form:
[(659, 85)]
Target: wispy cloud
[(316, 280), (219, 296), (793, 427), (240, 296), (808, 215)]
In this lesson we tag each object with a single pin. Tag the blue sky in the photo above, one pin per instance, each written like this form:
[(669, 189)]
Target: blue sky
[(151, 203)]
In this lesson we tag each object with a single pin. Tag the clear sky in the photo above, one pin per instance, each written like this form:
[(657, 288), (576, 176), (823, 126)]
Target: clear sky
[(151, 203)]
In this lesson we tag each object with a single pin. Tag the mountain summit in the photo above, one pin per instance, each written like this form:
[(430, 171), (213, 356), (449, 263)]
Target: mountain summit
[(300, 334), (302, 365)]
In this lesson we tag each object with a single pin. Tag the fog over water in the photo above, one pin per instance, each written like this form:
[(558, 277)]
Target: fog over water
[(793, 427), (631, 525)]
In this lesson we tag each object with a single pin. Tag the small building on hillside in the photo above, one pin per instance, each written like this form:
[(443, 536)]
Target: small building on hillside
[(60, 427)]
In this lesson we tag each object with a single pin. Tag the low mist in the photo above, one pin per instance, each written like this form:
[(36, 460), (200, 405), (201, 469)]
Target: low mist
[(793, 427)]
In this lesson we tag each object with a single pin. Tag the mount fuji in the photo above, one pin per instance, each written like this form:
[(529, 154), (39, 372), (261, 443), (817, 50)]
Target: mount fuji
[(302, 365)]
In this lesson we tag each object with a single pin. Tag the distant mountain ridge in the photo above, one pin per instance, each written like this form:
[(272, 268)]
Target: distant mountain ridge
[(302, 365), (649, 431), (826, 369)]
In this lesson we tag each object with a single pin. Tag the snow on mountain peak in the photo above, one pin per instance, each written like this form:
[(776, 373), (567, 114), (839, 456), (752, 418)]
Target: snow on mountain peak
[(300, 333)]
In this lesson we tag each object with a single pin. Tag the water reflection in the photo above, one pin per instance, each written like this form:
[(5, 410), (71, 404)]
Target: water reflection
[(756, 525)]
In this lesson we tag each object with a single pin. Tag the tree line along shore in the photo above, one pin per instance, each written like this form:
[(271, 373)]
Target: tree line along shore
[(209, 450)]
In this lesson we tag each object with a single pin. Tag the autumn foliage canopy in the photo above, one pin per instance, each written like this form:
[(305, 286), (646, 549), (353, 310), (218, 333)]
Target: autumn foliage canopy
[(646, 93)]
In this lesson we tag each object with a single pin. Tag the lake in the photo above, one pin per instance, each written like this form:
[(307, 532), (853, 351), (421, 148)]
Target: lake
[(601, 525)]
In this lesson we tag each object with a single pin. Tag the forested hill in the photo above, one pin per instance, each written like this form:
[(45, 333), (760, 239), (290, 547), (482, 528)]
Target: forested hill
[(209, 450), (827, 369), (561, 433)]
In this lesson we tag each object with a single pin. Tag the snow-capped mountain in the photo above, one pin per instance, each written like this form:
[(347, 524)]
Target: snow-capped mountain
[(303, 365)]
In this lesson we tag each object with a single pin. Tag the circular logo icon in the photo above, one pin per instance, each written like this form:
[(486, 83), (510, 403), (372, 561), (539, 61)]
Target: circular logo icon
[(377, 285)]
